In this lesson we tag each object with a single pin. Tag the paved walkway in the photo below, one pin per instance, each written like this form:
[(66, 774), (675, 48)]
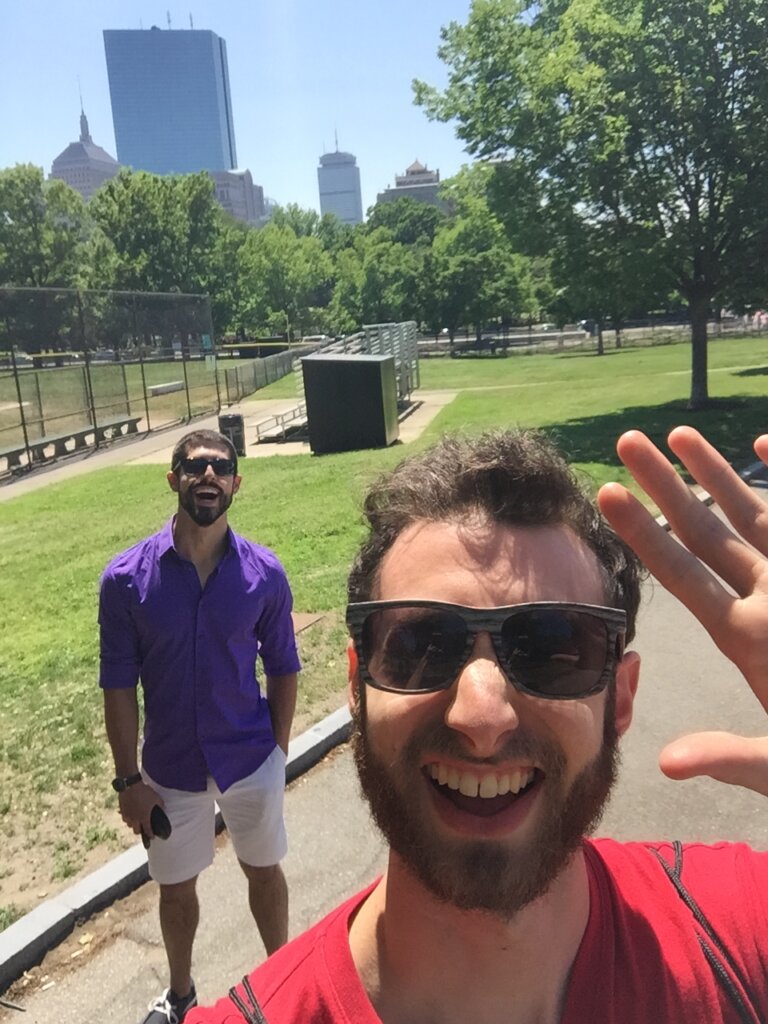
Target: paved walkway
[(156, 447)]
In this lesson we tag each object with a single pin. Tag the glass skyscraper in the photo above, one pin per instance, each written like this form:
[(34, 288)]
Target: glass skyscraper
[(171, 105)]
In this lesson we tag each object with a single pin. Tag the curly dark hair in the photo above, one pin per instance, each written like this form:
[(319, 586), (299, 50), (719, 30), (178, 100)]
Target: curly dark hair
[(514, 477), (200, 439)]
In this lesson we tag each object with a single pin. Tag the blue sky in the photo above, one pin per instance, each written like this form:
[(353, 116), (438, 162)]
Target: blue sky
[(298, 70)]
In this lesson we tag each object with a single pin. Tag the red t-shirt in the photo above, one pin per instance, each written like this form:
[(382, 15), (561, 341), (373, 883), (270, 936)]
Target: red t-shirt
[(640, 959)]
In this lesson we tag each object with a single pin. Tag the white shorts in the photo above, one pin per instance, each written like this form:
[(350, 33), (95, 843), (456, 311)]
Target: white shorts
[(253, 813)]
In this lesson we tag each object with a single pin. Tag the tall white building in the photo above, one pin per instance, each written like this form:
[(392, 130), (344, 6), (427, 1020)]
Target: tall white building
[(84, 165), (338, 178)]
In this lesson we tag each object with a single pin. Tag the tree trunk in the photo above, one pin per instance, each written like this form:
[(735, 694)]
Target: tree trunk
[(600, 344), (699, 310)]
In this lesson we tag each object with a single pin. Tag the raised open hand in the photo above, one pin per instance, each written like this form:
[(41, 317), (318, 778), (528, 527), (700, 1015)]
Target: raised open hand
[(737, 618)]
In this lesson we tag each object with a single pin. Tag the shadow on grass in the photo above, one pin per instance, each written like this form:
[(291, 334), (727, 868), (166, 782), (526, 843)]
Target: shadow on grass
[(729, 424), (753, 371)]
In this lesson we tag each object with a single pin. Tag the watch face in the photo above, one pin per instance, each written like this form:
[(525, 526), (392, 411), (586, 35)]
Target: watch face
[(122, 782)]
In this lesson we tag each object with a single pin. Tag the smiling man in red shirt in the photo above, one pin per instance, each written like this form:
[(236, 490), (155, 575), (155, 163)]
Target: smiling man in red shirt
[(187, 611), (490, 611)]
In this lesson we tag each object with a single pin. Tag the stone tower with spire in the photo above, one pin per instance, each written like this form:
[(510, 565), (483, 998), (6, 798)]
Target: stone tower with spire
[(84, 165), (417, 183)]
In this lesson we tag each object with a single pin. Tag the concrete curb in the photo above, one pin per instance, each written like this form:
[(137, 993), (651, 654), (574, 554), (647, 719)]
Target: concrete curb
[(26, 942)]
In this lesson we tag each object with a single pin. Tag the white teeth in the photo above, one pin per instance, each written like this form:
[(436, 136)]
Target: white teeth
[(485, 786), (468, 785), (489, 786)]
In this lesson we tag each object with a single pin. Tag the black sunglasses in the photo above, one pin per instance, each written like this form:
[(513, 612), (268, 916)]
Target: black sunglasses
[(546, 649), (198, 466)]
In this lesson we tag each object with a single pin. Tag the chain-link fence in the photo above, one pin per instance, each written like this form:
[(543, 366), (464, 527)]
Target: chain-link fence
[(80, 367), (247, 378)]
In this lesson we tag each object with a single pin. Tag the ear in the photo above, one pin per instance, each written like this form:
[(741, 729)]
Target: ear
[(173, 481), (236, 484), (353, 676), (627, 678)]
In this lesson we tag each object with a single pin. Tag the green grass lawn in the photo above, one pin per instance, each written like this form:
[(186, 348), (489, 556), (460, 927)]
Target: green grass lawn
[(587, 401), (55, 542)]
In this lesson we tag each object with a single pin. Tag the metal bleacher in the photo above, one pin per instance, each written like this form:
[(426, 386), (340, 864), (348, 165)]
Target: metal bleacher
[(395, 339)]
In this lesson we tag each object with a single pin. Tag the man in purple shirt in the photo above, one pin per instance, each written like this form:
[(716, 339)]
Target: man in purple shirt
[(187, 611)]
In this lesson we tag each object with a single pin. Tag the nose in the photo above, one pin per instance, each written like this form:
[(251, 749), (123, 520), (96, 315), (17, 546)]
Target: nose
[(483, 709), (209, 474)]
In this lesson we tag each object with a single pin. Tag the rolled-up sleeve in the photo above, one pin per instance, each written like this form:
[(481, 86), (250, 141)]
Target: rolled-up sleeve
[(277, 639), (120, 660)]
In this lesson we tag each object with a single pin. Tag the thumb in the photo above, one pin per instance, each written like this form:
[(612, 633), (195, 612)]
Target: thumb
[(736, 760)]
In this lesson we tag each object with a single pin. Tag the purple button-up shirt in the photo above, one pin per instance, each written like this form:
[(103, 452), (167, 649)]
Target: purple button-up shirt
[(195, 650)]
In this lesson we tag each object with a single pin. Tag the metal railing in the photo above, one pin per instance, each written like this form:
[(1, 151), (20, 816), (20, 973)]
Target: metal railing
[(276, 427)]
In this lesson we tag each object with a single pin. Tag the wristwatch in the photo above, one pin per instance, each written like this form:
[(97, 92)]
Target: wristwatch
[(122, 782)]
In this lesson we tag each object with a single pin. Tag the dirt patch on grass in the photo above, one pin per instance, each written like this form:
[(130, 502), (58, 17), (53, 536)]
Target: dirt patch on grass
[(53, 839)]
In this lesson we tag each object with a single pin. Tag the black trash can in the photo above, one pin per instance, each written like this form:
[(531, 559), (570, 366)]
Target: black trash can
[(232, 426)]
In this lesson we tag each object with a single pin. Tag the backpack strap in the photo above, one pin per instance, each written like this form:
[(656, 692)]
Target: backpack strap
[(714, 950), (253, 1014)]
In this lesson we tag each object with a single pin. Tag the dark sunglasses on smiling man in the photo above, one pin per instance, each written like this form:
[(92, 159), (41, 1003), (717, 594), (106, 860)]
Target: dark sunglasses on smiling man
[(199, 465), (552, 649)]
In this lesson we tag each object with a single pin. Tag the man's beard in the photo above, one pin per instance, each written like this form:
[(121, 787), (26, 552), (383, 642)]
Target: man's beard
[(204, 515), (486, 874)]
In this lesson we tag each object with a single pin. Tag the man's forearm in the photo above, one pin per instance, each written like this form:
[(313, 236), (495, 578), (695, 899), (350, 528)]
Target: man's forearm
[(281, 696), (121, 717)]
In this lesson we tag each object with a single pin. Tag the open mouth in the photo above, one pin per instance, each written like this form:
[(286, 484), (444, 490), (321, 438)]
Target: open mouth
[(482, 793), (206, 495)]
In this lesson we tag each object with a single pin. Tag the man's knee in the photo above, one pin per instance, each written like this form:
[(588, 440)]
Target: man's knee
[(179, 893), (262, 876)]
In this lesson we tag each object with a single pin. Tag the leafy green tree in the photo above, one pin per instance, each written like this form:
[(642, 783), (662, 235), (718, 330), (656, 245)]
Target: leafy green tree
[(605, 272), (648, 114), (302, 222), (163, 230), (227, 286), (346, 305), (285, 276), (476, 272), (389, 290), (334, 234), (44, 231), (409, 221)]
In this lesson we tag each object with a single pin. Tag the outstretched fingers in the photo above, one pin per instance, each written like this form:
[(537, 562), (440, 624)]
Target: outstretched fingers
[(711, 558), (704, 534), (679, 571), (746, 511)]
